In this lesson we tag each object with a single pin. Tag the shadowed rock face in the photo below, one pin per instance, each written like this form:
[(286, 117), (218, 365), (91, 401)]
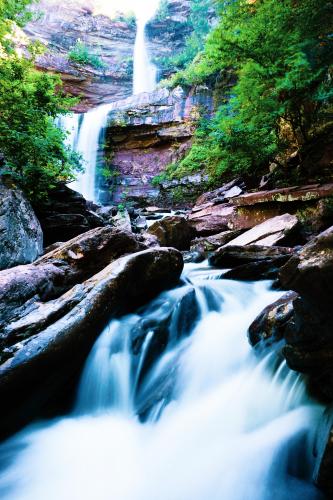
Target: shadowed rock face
[(21, 237), (42, 367)]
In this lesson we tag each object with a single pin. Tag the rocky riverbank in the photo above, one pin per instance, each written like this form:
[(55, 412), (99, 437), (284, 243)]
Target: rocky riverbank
[(106, 262)]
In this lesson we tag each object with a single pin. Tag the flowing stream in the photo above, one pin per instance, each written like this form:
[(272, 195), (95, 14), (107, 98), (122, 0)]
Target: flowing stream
[(173, 404)]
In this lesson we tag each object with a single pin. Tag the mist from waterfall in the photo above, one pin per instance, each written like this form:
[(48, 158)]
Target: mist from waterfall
[(174, 404)]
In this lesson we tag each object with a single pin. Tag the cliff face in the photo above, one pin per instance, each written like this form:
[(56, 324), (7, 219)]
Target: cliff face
[(61, 24), (145, 133)]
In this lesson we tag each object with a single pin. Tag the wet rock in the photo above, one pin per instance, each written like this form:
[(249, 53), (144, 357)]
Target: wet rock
[(235, 255), (194, 256), (280, 230), (324, 453), (259, 270), (23, 287), (212, 219), (55, 354), (270, 325), (309, 337), (65, 214), (21, 237), (140, 224), (172, 231)]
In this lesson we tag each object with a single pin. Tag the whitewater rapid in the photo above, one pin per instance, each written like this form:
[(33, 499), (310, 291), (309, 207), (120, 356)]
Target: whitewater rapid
[(173, 404)]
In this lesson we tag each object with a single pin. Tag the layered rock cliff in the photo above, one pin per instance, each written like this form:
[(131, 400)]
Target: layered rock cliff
[(60, 25)]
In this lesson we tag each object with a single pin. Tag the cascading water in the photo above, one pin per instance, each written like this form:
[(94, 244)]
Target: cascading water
[(174, 405), (93, 123), (88, 137), (144, 72)]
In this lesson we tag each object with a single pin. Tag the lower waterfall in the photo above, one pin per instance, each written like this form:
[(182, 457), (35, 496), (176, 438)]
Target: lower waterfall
[(174, 404)]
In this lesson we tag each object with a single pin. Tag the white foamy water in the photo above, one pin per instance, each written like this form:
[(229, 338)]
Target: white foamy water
[(144, 72), (195, 416)]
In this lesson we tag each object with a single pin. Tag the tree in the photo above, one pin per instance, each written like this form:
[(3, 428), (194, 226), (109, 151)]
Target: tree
[(282, 55), (31, 144)]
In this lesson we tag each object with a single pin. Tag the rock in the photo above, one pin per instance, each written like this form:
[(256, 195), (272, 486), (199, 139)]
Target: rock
[(210, 243), (55, 354), (21, 237), (172, 231), (270, 325), (285, 195), (76, 260), (145, 133), (259, 270), (140, 223), (280, 230), (65, 214), (107, 213), (193, 257), (122, 221), (212, 219), (235, 255), (309, 337), (229, 190)]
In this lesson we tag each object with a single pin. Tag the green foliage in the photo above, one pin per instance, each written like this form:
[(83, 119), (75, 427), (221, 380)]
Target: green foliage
[(199, 24), (81, 54), (163, 10), (30, 101), (282, 54)]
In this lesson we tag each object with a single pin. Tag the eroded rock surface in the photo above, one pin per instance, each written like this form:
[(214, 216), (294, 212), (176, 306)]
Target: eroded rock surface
[(172, 231), (21, 237)]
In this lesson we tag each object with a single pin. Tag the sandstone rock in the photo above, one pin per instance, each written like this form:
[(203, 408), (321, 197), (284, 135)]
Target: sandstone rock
[(226, 191), (65, 214), (214, 242), (193, 256), (55, 354), (172, 231), (21, 237), (54, 273), (270, 325), (280, 230), (283, 195), (212, 219)]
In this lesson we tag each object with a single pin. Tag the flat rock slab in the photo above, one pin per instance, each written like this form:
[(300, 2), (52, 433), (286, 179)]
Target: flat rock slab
[(275, 231), (235, 255), (289, 194)]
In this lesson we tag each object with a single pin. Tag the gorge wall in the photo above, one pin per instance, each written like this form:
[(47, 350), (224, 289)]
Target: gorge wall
[(60, 25)]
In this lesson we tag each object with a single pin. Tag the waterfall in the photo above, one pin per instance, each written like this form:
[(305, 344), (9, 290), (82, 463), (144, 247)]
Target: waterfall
[(173, 404), (144, 72), (88, 142), (70, 124), (87, 138)]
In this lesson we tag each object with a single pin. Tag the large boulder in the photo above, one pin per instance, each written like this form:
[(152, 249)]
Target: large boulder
[(309, 337), (65, 214), (173, 231), (270, 325), (51, 275), (235, 255), (252, 262), (21, 237), (280, 230), (54, 356)]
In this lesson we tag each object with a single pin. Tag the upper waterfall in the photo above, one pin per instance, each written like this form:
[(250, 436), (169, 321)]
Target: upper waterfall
[(144, 72)]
